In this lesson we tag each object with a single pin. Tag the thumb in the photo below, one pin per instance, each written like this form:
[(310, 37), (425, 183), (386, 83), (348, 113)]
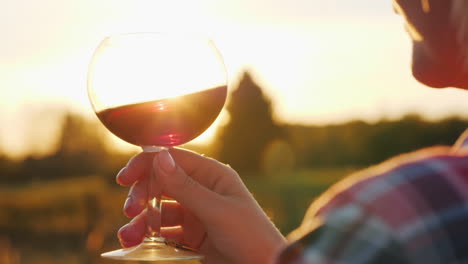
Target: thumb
[(186, 190)]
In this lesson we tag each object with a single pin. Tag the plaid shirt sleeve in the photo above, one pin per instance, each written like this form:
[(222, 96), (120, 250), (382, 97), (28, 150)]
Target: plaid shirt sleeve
[(410, 209)]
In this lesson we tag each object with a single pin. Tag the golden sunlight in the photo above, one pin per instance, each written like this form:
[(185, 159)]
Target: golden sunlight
[(412, 31), (133, 68)]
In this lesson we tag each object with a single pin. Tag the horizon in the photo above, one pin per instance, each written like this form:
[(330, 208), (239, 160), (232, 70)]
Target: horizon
[(321, 62)]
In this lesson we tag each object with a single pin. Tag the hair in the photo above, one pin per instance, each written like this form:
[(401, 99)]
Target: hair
[(460, 22)]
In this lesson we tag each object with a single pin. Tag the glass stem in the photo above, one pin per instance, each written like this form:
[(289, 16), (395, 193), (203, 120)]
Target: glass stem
[(154, 204)]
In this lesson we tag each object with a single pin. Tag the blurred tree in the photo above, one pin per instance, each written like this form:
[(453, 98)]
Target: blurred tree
[(8, 168), (247, 142), (242, 141), (360, 144), (81, 150), (81, 146), (80, 136)]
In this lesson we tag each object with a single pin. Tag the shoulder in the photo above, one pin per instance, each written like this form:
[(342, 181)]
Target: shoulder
[(409, 176), (403, 201), (400, 178)]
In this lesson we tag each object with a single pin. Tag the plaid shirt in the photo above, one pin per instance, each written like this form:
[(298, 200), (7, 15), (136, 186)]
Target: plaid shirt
[(410, 209)]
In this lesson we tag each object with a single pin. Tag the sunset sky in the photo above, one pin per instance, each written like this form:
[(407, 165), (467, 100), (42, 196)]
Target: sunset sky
[(321, 62)]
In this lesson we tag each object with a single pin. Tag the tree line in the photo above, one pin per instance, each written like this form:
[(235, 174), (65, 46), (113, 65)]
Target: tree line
[(252, 142)]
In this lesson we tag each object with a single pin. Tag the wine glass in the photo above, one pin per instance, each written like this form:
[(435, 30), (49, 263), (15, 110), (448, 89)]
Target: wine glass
[(156, 90)]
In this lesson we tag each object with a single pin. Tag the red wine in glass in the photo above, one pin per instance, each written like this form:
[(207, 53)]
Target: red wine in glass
[(146, 88), (166, 122)]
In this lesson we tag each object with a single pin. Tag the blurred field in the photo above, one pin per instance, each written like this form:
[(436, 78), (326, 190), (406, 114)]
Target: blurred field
[(48, 215), (75, 219)]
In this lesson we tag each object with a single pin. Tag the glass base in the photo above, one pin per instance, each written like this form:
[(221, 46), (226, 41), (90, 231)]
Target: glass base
[(153, 250)]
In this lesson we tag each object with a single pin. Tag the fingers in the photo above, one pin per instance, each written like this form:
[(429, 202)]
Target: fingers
[(133, 233), (186, 189), (193, 180), (172, 214), (129, 238), (192, 162), (208, 172), (190, 231), (175, 233), (137, 168), (137, 198)]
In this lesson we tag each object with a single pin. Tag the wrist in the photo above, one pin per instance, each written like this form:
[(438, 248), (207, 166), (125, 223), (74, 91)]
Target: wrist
[(265, 238)]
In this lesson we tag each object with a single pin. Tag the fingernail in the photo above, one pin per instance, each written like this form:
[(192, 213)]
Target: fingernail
[(117, 178), (121, 232), (127, 204), (166, 162)]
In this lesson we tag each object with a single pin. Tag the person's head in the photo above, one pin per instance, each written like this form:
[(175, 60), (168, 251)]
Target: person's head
[(439, 30)]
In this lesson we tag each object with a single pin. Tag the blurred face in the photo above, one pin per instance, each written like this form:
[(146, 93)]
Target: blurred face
[(438, 55)]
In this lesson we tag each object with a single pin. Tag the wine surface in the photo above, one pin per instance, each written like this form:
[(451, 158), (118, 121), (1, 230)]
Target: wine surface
[(166, 122)]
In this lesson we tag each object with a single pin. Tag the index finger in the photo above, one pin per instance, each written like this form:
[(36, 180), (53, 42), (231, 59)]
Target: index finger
[(207, 171), (137, 168)]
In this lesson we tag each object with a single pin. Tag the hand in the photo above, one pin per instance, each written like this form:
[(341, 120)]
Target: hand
[(216, 213)]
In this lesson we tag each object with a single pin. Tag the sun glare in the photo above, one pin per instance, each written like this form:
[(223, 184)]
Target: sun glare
[(142, 68)]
